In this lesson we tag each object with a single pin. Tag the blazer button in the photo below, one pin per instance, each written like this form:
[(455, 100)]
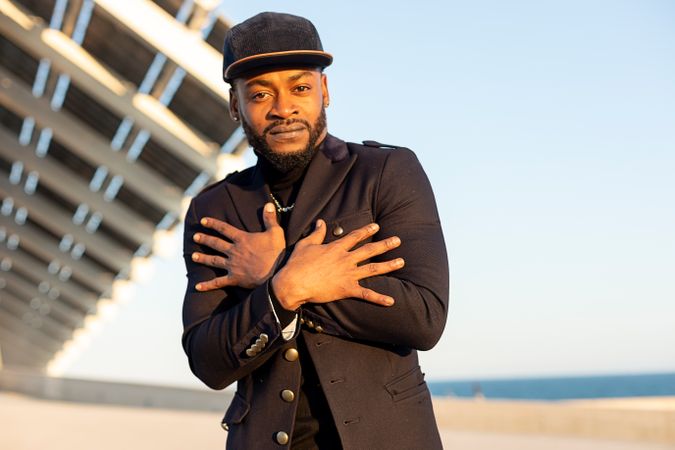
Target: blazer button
[(291, 355), (281, 437), (287, 395), (338, 231), (319, 329), (224, 426)]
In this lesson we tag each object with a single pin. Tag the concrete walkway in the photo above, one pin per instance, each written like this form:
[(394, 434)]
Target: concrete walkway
[(31, 424), (462, 440)]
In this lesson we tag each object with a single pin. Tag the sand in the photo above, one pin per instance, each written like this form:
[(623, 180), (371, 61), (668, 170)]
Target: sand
[(29, 424)]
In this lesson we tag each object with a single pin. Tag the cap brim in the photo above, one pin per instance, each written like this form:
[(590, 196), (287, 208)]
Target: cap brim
[(294, 58)]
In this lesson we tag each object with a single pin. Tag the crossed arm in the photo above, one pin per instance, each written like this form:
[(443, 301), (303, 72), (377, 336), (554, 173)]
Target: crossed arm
[(315, 272)]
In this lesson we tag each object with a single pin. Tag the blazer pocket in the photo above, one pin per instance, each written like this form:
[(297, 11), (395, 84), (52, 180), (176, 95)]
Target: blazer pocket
[(342, 226), (237, 411), (407, 385)]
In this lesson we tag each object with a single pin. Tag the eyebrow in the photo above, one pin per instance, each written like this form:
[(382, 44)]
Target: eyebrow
[(265, 83), (252, 83), (299, 75)]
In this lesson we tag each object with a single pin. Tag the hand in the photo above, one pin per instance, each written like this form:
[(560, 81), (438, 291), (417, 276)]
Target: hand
[(249, 258), (322, 273)]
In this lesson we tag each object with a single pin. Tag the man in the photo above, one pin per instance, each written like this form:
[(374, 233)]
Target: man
[(314, 276)]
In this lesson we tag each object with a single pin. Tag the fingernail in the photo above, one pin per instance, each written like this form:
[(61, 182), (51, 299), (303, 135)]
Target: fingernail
[(204, 222), (197, 237), (399, 262), (269, 208), (319, 223), (198, 286), (389, 301), (374, 227), (195, 257), (395, 240)]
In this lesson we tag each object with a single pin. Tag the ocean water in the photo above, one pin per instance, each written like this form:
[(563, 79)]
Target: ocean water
[(561, 388)]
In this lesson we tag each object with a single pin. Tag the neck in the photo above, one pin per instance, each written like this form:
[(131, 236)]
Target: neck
[(277, 179)]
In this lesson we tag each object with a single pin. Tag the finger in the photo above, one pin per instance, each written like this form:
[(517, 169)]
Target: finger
[(215, 283), (224, 228), (371, 296), (358, 235), (270, 216), (210, 260), (213, 242), (373, 269), (375, 248), (317, 236)]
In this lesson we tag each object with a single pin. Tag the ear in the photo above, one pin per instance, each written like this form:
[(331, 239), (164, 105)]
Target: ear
[(324, 90), (234, 106)]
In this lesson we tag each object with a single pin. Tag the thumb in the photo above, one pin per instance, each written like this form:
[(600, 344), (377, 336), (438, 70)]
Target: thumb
[(270, 216), (317, 236)]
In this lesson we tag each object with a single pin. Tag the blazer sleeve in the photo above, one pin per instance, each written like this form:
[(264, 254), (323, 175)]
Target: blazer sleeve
[(405, 207), (220, 325)]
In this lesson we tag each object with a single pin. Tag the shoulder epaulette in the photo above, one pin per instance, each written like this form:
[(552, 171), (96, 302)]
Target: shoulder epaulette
[(379, 144)]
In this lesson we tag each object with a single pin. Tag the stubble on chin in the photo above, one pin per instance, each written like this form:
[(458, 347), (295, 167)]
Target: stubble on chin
[(287, 161)]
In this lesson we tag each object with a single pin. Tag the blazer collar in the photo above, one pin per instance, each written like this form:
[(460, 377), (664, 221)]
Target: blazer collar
[(324, 176), (325, 173)]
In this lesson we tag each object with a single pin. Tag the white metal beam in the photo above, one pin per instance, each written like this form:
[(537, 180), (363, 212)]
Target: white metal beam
[(71, 187), (16, 326), (107, 87), (84, 299), (58, 311), (61, 223), (37, 243), (161, 32), (88, 144), (20, 308)]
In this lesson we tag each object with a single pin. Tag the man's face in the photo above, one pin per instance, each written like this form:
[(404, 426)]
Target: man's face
[(283, 114)]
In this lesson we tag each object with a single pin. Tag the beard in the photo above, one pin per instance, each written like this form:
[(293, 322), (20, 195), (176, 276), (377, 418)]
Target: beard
[(286, 162)]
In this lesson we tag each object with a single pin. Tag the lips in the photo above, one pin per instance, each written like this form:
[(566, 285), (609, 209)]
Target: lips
[(286, 129)]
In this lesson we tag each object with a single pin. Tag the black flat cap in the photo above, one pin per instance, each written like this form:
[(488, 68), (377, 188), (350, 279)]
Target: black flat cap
[(271, 40)]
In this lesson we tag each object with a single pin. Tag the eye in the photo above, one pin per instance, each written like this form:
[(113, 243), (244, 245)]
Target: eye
[(259, 96), (302, 88)]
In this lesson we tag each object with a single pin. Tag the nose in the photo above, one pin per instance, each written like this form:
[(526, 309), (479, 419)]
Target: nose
[(284, 106)]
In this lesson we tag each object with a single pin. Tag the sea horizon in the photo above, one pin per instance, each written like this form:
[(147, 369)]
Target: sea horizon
[(563, 387)]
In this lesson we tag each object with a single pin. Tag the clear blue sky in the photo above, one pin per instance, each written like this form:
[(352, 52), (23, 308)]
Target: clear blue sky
[(548, 132)]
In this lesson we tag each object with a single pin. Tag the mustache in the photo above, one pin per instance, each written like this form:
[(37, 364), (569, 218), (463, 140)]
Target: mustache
[(285, 122)]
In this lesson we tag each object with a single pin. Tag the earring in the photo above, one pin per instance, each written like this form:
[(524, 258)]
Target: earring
[(236, 118)]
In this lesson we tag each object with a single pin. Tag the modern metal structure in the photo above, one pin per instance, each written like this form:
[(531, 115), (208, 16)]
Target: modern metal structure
[(112, 114)]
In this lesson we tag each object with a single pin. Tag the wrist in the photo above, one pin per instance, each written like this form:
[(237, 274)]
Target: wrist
[(283, 293)]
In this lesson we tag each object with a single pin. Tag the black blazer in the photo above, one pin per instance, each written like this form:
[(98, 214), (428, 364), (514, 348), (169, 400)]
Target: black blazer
[(364, 354)]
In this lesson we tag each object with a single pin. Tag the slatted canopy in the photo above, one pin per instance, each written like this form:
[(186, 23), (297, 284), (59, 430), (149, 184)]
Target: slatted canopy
[(112, 114)]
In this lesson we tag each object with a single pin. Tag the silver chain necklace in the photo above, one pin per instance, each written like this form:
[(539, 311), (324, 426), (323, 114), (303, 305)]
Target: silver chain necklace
[(281, 209)]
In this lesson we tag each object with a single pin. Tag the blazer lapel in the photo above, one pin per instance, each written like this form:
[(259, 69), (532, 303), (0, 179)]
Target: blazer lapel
[(248, 200), (324, 176)]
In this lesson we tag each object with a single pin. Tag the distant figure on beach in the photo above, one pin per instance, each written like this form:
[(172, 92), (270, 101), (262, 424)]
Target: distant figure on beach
[(316, 275), (477, 390)]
